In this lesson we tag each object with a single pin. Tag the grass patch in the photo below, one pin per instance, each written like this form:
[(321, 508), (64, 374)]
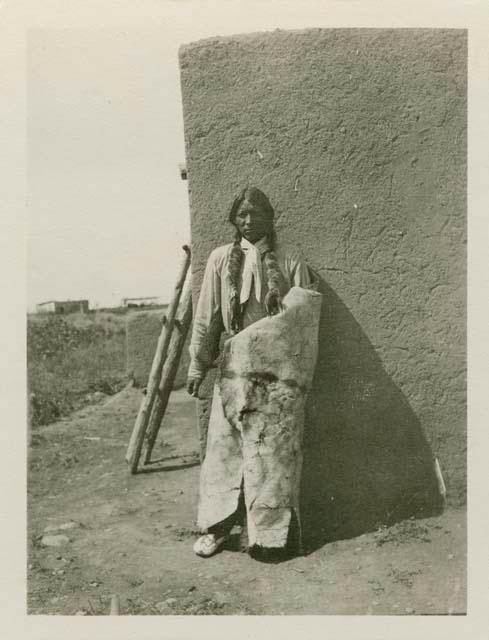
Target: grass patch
[(71, 360)]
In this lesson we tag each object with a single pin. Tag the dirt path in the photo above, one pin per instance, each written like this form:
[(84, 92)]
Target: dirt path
[(132, 536)]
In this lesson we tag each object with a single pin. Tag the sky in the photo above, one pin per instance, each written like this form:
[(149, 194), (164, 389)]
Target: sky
[(108, 211)]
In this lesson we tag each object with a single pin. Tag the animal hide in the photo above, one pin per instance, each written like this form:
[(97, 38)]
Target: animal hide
[(266, 373)]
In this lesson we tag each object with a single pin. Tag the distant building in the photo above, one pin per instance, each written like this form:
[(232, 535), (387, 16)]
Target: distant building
[(150, 301), (63, 306)]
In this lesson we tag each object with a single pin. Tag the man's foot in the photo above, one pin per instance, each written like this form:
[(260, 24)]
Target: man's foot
[(208, 545), (272, 555)]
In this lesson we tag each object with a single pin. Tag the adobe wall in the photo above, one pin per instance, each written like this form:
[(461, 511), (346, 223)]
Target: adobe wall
[(358, 137)]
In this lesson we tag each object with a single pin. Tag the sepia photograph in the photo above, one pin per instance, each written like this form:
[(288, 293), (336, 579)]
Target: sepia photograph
[(246, 317)]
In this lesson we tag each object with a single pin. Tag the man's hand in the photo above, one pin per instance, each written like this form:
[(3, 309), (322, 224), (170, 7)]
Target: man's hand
[(193, 386)]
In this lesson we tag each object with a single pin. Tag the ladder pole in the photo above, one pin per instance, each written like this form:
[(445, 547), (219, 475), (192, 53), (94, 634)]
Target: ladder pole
[(136, 441), (169, 373)]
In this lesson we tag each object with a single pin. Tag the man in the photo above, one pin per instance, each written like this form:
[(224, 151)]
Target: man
[(244, 282)]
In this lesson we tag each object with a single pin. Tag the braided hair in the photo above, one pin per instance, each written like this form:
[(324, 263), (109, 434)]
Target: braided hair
[(273, 298)]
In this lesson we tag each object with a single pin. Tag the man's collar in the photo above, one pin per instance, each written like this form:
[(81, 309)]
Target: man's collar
[(262, 245)]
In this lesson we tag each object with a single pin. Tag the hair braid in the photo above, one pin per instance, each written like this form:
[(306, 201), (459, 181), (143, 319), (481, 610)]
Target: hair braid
[(236, 256), (273, 299)]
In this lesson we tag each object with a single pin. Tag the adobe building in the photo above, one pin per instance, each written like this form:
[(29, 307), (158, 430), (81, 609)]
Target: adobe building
[(148, 301), (63, 306), (358, 137)]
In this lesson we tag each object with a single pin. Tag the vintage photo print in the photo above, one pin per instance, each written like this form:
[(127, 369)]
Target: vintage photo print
[(246, 318)]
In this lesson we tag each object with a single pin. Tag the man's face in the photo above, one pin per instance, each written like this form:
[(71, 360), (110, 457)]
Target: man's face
[(252, 222)]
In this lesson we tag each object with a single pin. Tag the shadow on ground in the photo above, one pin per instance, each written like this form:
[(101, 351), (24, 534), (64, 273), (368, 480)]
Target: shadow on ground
[(366, 459)]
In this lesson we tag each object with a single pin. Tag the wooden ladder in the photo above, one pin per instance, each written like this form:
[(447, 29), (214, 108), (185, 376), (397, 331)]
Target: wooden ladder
[(163, 371)]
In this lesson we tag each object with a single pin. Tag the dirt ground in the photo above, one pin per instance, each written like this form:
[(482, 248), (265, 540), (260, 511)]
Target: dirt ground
[(132, 536)]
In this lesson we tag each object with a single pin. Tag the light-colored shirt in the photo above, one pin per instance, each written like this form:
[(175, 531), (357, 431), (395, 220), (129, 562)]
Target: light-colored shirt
[(213, 313)]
